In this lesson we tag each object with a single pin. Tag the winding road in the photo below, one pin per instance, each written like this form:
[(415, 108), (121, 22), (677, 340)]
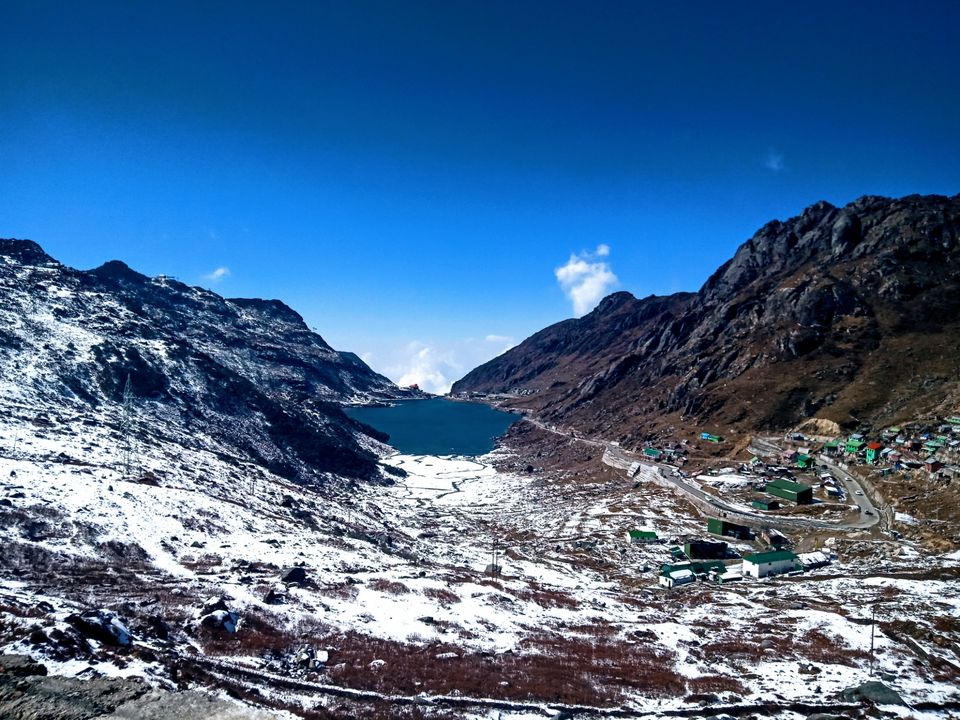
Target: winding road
[(615, 456)]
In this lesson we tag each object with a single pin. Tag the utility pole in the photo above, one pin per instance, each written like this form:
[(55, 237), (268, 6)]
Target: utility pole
[(126, 430), (495, 557)]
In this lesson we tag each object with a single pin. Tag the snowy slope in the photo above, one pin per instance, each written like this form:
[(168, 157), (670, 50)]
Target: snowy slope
[(243, 469), (243, 377)]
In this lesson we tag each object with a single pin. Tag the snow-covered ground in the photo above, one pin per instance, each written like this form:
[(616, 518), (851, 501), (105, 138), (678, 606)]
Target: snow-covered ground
[(407, 562)]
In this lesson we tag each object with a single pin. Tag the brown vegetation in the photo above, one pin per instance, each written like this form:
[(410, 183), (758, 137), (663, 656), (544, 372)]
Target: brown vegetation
[(442, 595), (391, 587), (714, 684), (551, 667)]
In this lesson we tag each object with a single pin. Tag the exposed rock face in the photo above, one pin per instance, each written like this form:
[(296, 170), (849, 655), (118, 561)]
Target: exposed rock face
[(248, 375), (850, 314), (27, 693)]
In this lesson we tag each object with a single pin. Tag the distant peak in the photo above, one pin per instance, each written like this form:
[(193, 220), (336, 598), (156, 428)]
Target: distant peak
[(24, 251), (118, 270)]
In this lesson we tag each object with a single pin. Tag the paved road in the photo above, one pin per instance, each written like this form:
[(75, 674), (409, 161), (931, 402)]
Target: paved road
[(863, 522), (616, 456), (853, 489)]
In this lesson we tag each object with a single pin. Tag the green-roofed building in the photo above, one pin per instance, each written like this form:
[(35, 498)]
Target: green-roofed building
[(766, 504), (789, 490), (804, 461), (652, 453), (642, 536), (670, 576), (774, 562), (716, 526), (854, 446), (697, 567)]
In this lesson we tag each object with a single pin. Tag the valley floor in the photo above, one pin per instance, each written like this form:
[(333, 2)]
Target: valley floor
[(500, 587)]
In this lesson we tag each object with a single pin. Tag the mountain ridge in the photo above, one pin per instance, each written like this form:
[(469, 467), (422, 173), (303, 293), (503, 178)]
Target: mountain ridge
[(246, 374), (828, 297)]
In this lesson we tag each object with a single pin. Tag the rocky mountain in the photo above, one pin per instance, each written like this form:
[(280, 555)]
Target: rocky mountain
[(246, 379), (847, 314), (241, 558)]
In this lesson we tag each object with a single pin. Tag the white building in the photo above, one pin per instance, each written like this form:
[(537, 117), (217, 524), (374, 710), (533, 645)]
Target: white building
[(677, 577), (774, 562)]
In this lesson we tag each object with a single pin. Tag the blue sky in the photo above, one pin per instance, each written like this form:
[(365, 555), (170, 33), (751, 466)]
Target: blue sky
[(427, 183)]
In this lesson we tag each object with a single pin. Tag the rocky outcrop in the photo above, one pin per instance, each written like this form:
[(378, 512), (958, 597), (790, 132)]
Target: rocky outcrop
[(849, 314), (28, 693)]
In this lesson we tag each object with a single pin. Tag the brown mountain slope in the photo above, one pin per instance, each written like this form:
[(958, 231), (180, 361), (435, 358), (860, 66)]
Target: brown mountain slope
[(850, 314)]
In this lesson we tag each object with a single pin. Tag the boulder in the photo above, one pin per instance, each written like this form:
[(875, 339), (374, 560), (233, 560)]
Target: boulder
[(294, 576), (221, 620), (65, 642), (214, 614), (272, 597), (873, 692), (304, 657), (101, 625), (211, 605)]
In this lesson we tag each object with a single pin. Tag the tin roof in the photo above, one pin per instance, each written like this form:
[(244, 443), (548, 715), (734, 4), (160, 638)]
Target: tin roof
[(770, 556)]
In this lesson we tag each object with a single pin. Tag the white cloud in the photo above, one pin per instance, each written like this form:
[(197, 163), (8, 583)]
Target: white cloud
[(774, 161), (217, 275), (585, 279), (434, 367)]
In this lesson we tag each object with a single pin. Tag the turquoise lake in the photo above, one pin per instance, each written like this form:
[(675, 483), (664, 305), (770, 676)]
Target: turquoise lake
[(437, 426)]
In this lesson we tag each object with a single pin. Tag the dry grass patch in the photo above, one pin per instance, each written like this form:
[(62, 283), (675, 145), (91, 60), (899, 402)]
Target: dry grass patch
[(442, 595), (550, 668), (390, 587), (819, 647), (342, 591), (546, 598), (712, 684), (261, 632)]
